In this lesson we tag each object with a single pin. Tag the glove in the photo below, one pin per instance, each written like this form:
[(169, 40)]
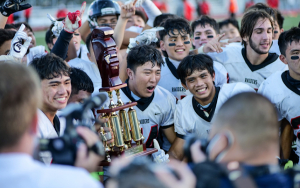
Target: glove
[(146, 37), (58, 25), (73, 19), (151, 10), (12, 6), (17, 48), (159, 156)]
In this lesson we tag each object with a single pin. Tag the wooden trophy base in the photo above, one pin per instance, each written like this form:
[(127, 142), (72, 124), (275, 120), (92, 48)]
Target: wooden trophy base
[(135, 150)]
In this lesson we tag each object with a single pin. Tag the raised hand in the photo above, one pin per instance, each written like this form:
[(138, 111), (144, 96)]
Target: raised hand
[(18, 48), (58, 25), (73, 19), (12, 6), (128, 9), (215, 45)]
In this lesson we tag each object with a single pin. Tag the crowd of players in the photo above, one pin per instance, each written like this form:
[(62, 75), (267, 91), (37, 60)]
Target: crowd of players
[(237, 87)]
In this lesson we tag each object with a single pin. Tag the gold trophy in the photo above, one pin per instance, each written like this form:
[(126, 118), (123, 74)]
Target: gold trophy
[(125, 125)]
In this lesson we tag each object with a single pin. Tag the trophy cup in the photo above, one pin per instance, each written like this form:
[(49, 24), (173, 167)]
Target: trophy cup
[(125, 125)]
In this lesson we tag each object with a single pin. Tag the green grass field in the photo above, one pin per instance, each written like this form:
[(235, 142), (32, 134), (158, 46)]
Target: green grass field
[(288, 23)]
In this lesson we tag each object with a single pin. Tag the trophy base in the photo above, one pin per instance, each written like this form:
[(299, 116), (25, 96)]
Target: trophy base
[(135, 150)]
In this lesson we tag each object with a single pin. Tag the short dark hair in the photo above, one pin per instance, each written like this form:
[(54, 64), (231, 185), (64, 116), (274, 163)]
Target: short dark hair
[(249, 20), (9, 26), (203, 20), (50, 66), (287, 37), (80, 81), (6, 34), (280, 19), (194, 62), (88, 42), (162, 17), (141, 14), (141, 54), (170, 25), (27, 26), (232, 21), (262, 6)]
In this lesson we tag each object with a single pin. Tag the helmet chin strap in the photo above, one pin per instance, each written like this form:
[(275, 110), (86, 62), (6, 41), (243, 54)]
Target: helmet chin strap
[(215, 140)]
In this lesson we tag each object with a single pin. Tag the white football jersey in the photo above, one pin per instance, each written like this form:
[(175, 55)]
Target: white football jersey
[(82, 53), (286, 99), (169, 81), (46, 128), (91, 69), (241, 70), (155, 112), (189, 118)]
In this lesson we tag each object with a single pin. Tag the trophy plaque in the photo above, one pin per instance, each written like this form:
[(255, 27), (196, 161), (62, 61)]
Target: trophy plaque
[(124, 124)]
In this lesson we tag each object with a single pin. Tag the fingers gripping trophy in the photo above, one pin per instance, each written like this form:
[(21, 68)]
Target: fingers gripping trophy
[(125, 125)]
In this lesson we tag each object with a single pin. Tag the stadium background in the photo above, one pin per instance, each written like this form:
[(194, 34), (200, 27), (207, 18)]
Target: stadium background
[(218, 10)]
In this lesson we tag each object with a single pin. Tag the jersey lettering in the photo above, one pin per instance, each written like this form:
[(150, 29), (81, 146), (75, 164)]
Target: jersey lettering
[(152, 135)]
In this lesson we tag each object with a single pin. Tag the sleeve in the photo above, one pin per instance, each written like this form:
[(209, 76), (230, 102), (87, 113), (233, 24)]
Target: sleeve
[(220, 57), (60, 48), (241, 88), (264, 90), (221, 74), (9, 59), (168, 118), (178, 126)]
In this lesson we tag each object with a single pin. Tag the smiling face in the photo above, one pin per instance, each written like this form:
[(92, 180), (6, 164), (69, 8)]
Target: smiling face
[(203, 34), (261, 39), (144, 79), (230, 31), (292, 50), (200, 84), (56, 93), (176, 45)]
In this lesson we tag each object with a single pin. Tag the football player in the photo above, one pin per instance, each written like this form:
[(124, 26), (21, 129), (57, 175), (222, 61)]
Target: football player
[(253, 63), (175, 45), (156, 105), (283, 88), (195, 112)]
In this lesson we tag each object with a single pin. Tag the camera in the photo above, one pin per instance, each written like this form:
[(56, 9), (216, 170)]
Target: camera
[(63, 149), (189, 141)]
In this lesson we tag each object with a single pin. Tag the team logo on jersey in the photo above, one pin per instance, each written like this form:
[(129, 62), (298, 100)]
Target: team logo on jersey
[(144, 121), (177, 89), (250, 81)]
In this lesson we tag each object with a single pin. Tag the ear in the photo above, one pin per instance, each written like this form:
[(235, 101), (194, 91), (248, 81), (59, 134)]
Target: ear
[(246, 39), (130, 73), (217, 144), (281, 30), (162, 45), (185, 87), (213, 76), (283, 59)]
